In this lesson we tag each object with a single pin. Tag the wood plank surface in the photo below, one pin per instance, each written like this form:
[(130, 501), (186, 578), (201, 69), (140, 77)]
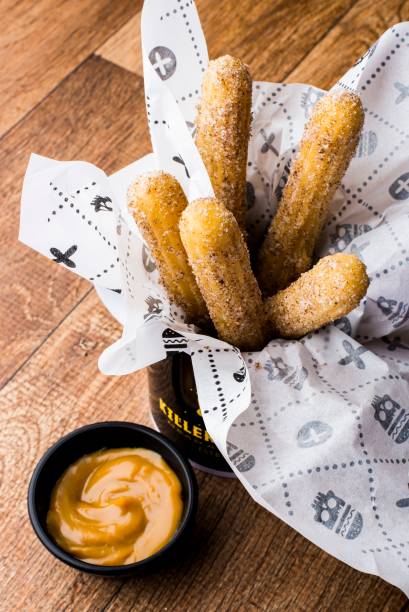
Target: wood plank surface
[(272, 37), (239, 554), (351, 35), (73, 123), (43, 41), (242, 558), (124, 47), (57, 390), (348, 40)]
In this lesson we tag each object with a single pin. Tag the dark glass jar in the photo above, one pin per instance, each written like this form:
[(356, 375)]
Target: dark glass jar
[(176, 413)]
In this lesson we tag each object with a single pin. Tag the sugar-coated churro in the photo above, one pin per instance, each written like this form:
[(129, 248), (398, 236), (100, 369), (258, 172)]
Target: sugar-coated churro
[(220, 260), (157, 201), (329, 141), (223, 131), (330, 290)]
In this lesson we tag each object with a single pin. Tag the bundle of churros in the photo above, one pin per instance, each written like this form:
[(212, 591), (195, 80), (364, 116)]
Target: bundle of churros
[(201, 247)]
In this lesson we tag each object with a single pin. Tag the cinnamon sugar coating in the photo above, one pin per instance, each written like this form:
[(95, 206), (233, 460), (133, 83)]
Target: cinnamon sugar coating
[(223, 130), (330, 290), (220, 261), (329, 141), (157, 201)]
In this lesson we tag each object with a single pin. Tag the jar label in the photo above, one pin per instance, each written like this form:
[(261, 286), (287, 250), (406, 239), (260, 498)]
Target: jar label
[(176, 412)]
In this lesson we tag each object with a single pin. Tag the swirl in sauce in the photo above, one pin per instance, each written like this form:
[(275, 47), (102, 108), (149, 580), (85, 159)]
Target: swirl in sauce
[(116, 506)]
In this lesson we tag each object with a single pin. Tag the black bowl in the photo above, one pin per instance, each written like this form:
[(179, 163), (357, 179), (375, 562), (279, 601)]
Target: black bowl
[(114, 434)]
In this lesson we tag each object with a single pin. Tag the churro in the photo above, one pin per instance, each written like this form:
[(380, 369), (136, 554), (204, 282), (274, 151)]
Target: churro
[(157, 201), (330, 290), (220, 261), (223, 131), (329, 141)]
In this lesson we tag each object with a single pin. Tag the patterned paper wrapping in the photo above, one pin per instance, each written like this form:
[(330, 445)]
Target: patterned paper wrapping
[(316, 430)]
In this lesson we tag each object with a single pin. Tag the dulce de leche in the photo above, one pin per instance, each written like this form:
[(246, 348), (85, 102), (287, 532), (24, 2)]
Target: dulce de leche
[(116, 506)]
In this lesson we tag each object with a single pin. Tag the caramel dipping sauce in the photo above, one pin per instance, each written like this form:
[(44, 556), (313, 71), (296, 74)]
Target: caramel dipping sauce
[(115, 506)]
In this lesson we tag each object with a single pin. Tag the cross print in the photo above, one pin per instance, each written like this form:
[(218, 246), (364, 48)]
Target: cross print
[(64, 258), (148, 263), (160, 63), (402, 185), (353, 355), (404, 92), (179, 160), (399, 189), (267, 146), (316, 436), (163, 61)]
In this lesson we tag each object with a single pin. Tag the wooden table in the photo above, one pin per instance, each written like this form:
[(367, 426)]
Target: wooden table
[(71, 88)]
